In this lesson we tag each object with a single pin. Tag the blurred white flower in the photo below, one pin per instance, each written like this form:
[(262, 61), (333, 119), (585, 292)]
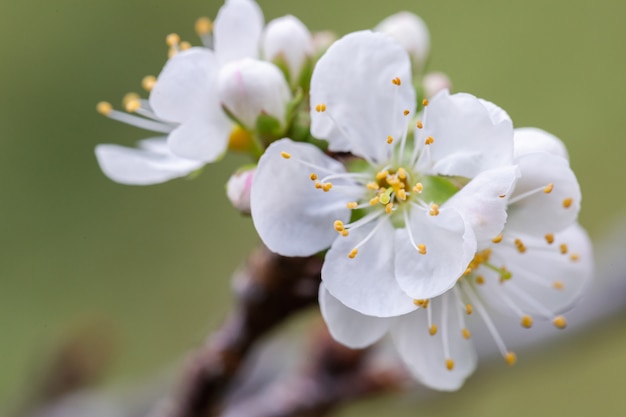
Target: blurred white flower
[(434, 82), (400, 224), (238, 189), (410, 31)]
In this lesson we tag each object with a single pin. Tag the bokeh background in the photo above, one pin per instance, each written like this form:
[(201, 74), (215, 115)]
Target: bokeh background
[(150, 266)]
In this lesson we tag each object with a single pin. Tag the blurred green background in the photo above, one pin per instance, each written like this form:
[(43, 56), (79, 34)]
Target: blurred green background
[(152, 263)]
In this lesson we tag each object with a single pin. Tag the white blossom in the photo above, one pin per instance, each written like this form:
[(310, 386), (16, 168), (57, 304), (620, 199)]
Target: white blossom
[(410, 31)]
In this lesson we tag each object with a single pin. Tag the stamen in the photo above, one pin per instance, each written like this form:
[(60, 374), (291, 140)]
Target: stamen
[(406, 112), (497, 239), (345, 233), (419, 124), (434, 209), (510, 358), (527, 194), (469, 309), (419, 303), (374, 201), (389, 208), (520, 246), (313, 176), (432, 330), (527, 321), (396, 81), (389, 140), (203, 26), (338, 225), (563, 248), (421, 248), (401, 194), (449, 364), (320, 108), (560, 322), (444, 332), (318, 185), (372, 186), (548, 188), (549, 238), (418, 188), (353, 253), (104, 108), (429, 140), (575, 257), (285, 155), (489, 323), (172, 40), (382, 174), (480, 280), (184, 45), (567, 203), (327, 187), (425, 102), (148, 82), (466, 333), (352, 205), (131, 102), (558, 285)]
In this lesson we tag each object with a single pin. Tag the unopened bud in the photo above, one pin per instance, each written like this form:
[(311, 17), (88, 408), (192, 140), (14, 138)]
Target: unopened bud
[(287, 39), (249, 88), (435, 82), (238, 189), (410, 31), (322, 41)]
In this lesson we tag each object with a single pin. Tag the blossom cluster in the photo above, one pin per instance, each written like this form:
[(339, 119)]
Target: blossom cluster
[(428, 207)]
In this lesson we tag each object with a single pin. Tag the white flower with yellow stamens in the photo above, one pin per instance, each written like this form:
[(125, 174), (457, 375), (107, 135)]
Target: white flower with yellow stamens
[(518, 272), (402, 223)]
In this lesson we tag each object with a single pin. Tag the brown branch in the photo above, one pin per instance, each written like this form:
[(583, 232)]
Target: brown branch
[(336, 375), (268, 290)]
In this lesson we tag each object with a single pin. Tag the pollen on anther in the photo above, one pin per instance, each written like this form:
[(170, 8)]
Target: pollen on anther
[(313, 176), (469, 309), (353, 253), (285, 155), (374, 201), (429, 140), (527, 322), (320, 108), (432, 330), (318, 185), (338, 225), (434, 209), (327, 187), (563, 248), (389, 208), (548, 189), (497, 239), (574, 257), (401, 173), (418, 188), (421, 248), (184, 45), (406, 112), (466, 333), (549, 238), (425, 102), (419, 124), (372, 186), (558, 285), (449, 364), (480, 280), (560, 322), (389, 140), (567, 203), (203, 26), (396, 81), (521, 248), (352, 205), (148, 82), (510, 358), (419, 302), (104, 108), (401, 194), (172, 39), (344, 232), (382, 174)]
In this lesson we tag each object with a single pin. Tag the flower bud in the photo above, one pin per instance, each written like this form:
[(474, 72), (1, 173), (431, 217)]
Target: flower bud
[(287, 41), (410, 31), (249, 88), (322, 41), (434, 82), (238, 189)]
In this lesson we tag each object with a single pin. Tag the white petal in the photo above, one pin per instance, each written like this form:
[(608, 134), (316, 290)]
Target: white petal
[(470, 135), (249, 88), (450, 246), (541, 212), (544, 281), (151, 165), (349, 327), (530, 139), (424, 354), (202, 139), (292, 217), (186, 87), (363, 106), (482, 202), (410, 31), (366, 283), (237, 30), (287, 38)]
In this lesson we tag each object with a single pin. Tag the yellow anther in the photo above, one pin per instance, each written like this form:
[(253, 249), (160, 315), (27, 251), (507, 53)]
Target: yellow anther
[(574, 257), (425, 102), (131, 102), (419, 124), (313, 176), (418, 188), (382, 174), (396, 81), (469, 309), (527, 322), (429, 140), (352, 205), (466, 333), (421, 248), (345, 232), (467, 271), (148, 82), (434, 209), (354, 252), (204, 25), (563, 248), (497, 239), (480, 280), (374, 201), (184, 45), (172, 39), (406, 112), (338, 225), (432, 330), (549, 238), (567, 203), (401, 194), (373, 186), (521, 248), (320, 108), (318, 185), (502, 196), (419, 303), (401, 173), (558, 285), (548, 189), (389, 140), (389, 208), (104, 108), (327, 187), (560, 322), (285, 155), (426, 303), (510, 358), (449, 364)]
